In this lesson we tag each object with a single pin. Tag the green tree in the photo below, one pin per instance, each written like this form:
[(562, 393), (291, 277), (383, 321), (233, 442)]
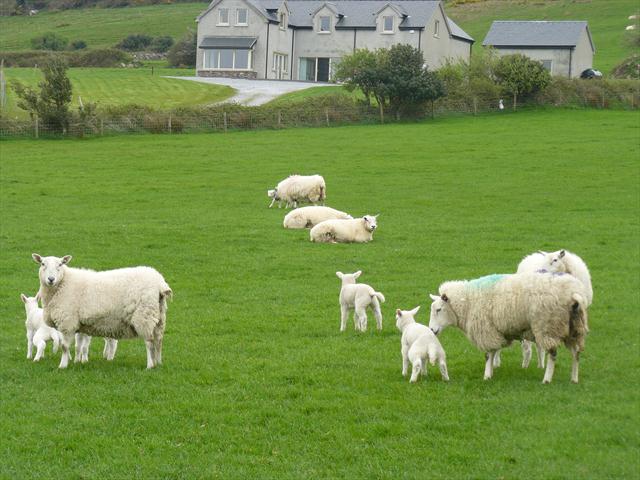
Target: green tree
[(51, 102), (520, 76), (49, 41), (357, 71), (183, 52)]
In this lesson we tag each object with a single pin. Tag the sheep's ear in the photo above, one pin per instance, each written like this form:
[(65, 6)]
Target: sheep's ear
[(357, 274), (38, 296), (399, 312), (444, 297), (23, 297), (434, 297), (415, 310), (376, 215), (36, 258), (66, 259), (562, 252), (542, 252), (339, 274)]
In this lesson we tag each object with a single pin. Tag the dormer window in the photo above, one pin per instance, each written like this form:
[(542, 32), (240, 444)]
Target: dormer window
[(325, 24), (283, 21), (387, 24), (436, 29), (223, 16), (242, 17)]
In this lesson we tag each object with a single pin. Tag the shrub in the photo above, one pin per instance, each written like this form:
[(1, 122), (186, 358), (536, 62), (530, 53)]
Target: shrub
[(183, 53), (518, 75), (49, 41), (628, 68), (109, 57), (78, 45), (161, 44), (135, 43)]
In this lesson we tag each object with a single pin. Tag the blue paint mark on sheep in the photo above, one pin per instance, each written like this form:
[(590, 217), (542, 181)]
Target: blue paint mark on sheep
[(487, 281)]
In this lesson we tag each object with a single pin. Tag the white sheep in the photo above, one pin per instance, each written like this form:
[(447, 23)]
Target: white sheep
[(123, 303), (38, 333), (358, 296), (418, 345), (299, 188), (82, 348), (561, 261), (307, 217), (547, 308), (357, 230)]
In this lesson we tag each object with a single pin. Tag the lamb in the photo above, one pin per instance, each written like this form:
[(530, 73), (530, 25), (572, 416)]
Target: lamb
[(307, 217), (358, 230), (297, 188), (417, 345), (82, 348), (38, 333), (122, 303), (494, 310), (358, 297)]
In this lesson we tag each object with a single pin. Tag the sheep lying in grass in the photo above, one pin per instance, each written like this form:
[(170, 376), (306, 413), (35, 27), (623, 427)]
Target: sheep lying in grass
[(494, 310), (38, 333), (307, 217), (358, 230), (82, 348), (299, 188), (418, 345), (358, 296), (123, 303), (560, 261)]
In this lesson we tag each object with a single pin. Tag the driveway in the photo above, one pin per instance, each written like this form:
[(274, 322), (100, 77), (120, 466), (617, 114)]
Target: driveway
[(256, 92)]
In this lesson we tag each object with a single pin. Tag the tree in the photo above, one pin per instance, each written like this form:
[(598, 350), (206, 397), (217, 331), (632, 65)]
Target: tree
[(357, 71), (51, 103), (135, 43), (518, 75), (183, 53), (49, 41), (161, 44)]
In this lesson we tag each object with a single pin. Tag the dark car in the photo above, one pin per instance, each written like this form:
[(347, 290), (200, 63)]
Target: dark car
[(591, 73)]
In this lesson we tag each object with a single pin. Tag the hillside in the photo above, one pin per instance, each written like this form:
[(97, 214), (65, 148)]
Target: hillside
[(105, 27)]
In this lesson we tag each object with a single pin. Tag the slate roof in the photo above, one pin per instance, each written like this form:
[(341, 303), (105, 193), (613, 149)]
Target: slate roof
[(535, 33)]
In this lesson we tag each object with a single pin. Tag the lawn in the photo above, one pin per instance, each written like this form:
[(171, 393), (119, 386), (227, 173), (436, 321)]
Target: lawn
[(119, 86), (257, 381)]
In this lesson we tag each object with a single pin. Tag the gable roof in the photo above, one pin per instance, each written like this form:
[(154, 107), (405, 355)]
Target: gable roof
[(456, 31), (536, 34)]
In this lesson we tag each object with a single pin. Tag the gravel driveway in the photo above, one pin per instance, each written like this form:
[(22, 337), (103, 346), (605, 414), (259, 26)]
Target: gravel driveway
[(256, 92)]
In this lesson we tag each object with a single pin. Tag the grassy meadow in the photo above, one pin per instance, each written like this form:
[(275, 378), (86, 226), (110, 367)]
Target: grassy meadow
[(257, 380)]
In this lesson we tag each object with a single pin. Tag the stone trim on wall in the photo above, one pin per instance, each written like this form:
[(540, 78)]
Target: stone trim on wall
[(249, 74)]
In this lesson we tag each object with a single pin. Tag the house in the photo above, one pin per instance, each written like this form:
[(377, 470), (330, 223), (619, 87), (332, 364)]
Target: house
[(564, 48), (303, 39)]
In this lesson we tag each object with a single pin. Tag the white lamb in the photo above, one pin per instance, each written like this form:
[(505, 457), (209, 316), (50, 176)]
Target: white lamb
[(358, 230), (123, 303), (561, 261), (418, 345), (82, 348), (497, 309), (299, 188), (357, 297), (38, 333), (307, 217)]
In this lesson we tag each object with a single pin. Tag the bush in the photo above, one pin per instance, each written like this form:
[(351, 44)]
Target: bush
[(183, 53), (90, 58), (78, 45), (518, 75), (161, 44), (49, 41), (109, 57), (628, 68), (135, 43)]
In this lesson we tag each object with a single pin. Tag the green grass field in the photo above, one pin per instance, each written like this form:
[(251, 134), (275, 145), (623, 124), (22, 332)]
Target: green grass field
[(119, 86), (257, 381)]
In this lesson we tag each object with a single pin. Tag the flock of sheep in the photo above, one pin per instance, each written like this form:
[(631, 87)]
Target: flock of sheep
[(545, 302)]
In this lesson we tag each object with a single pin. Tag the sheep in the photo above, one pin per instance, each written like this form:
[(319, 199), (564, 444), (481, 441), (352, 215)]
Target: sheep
[(417, 345), (37, 332), (494, 310), (559, 261), (307, 217), (358, 297), (297, 188), (358, 230), (82, 348), (122, 303)]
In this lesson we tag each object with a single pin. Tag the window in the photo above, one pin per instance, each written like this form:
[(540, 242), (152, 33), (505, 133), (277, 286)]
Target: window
[(280, 62), (223, 59), (325, 24), (387, 24), (242, 16), (283, 21), (436, 29), (223, 16), (547, 65)]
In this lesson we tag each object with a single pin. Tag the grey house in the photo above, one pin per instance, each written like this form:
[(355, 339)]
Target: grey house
[(564, 48), (303, 39)]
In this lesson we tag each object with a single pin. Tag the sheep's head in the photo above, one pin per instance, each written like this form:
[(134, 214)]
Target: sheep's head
[(348, 278), (404, 317), (370, 222), (441, 314), (273, 193), (52, 269), (553, 262), (30, 303)]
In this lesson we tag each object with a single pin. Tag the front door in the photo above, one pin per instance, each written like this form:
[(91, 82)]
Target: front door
[(323, 70)]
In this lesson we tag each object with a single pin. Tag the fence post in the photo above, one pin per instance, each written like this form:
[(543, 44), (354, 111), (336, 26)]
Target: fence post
[(475, 105), (36, 128), (224, 118), (326, 114), (169, 123)]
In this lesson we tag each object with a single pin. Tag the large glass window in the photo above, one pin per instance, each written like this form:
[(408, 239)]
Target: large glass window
[(242, 16), (223, 18), (242, 60), (325, 24), (211, 58), (225, 59), (547, 64), (387, 24)]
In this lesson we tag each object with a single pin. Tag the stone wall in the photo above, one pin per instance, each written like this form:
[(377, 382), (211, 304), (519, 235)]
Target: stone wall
[(228, 74)]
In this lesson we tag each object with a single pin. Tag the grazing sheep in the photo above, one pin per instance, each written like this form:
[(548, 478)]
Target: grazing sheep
[(38, 333), (307, 217), (417, 345), (497, 309), (123, 303), (299, 188), (357, 230), (82, 348), (358, 296)]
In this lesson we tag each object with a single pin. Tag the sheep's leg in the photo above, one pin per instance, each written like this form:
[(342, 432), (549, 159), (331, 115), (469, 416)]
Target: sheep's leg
[(40, 345), (540, 356), (150, 353), (415, 370), (377, 312), (56, 342), (66, 345), (157, 348), (84, 350), (405, 360), (443, 370), (78, 347), (488, 367), (361, 313), (30, 344), (575, 364), (110, 345), (526, 353), (496, 359), (273, 200), (344, 315), (551, 365)]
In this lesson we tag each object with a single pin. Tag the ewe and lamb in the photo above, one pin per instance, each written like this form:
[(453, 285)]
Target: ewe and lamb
[(299, 188)]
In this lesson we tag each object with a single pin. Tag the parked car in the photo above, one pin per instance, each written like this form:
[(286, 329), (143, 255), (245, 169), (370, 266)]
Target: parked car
[(591, 73)]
